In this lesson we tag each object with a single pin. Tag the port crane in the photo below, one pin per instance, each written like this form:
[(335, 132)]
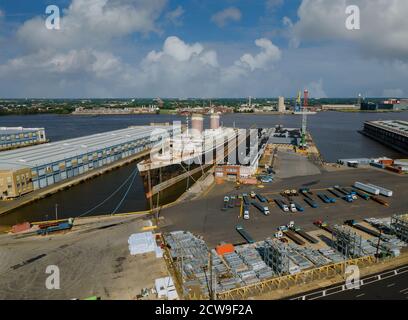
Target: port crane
[(303, 143), (298, 104)]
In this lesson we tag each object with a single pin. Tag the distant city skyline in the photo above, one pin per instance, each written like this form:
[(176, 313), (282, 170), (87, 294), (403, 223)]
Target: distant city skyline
[(224, 48)]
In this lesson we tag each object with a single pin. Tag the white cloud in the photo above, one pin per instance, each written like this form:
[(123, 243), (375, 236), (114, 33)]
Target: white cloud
[(221, 18), (95, 22), (316, 89), (383, 32), (175, 16), (95, 54), (179, 50), (269, 53)]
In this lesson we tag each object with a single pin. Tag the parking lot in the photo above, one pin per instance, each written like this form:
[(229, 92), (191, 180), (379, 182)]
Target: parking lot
[(204, 217)]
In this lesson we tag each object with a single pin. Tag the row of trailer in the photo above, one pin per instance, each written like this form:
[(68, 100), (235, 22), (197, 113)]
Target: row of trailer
[(348, 194), (244, 202), (286, 203)]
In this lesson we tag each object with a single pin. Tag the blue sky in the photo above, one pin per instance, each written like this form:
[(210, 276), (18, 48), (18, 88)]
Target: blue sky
[(213, 48)]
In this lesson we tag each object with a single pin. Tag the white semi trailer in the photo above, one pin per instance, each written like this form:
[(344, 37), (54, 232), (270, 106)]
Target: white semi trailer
[(367, 188), (383, 191)]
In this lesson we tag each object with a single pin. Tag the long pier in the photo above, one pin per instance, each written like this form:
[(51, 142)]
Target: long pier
[(9, 205)]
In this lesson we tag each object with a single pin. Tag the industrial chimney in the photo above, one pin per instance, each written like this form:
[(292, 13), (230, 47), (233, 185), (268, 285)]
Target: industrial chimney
[(215, 121), (197, 124)]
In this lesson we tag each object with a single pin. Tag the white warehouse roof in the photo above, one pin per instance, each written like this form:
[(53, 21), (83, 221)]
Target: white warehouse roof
[(59, 151), (17, 130)]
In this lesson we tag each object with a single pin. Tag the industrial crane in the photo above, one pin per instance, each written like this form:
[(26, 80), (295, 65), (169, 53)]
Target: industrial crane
[(303, 143), (298, 105)]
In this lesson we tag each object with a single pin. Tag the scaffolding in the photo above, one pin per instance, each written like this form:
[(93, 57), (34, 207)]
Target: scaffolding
[(399, 226), (350, 244), (289, 281), (276, 255)]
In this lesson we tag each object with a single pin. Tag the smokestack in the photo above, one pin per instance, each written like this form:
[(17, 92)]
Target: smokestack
[(197, 123), (215, 121)]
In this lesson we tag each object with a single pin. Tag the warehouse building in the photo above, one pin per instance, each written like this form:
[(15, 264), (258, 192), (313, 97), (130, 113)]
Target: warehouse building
[(286, 136), (393, 133), (25, 170), (387, 105), (11, 138)]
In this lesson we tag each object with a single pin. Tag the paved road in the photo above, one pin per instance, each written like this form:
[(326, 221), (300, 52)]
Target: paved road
[(204, 216), (388, 289), (390, 286)]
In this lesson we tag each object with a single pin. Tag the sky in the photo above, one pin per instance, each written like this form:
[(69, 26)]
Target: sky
[(203, 49)]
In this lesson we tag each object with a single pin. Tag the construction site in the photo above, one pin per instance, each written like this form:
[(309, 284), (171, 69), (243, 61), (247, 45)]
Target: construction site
[(283, 224), (256, 269)]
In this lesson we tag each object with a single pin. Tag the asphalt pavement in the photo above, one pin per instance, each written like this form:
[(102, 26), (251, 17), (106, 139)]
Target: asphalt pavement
[(388, 285), (204, 217)]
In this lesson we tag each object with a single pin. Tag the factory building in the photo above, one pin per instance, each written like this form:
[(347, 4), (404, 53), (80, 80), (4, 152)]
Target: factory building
[(28, 169), (16, 137), (391, 105), (393, 133), (197, 124), (289, 136)]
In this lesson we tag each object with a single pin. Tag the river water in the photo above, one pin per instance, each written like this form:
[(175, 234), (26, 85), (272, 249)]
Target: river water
[(335, 133)]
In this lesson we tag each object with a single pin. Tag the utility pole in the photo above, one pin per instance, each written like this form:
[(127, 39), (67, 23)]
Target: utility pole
[(378, 246), (211, 276), (149, 181), (158, 199)]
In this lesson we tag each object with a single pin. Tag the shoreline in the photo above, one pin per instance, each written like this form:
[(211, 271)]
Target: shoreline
[(175, 113), (10, 205)]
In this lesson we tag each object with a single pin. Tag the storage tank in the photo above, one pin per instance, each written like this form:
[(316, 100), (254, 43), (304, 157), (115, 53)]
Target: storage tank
[(197, 123), (215, 121)]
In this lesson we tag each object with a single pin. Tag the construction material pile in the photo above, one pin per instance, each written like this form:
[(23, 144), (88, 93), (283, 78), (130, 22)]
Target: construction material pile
[(140, 243)]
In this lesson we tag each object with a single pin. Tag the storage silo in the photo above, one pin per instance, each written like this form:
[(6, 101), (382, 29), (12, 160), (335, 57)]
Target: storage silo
[(215, 121), (197, 123)]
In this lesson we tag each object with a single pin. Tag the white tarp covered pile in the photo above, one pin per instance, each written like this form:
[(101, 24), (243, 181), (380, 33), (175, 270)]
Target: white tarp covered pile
[(142, 243), (165, 288)]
